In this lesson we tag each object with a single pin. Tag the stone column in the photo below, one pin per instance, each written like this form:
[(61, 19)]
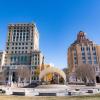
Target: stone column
[(10, 79), (30, 79)]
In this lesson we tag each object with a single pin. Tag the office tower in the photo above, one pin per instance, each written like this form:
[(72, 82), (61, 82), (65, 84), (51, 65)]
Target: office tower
[(22, 47), (84, 51)]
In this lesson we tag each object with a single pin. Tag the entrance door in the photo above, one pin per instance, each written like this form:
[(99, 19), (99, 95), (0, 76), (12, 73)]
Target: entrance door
[(97, 79), (14, 77)]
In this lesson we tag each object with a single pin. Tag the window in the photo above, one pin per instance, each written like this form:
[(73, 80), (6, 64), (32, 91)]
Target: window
[(17, 33), (25, 47), (75, 62), (83, 58), (14, 33), (11, 59), (27, 36), (25, 58), (15, 58), (24, 34), (83, 54), (74, 54), (17, 29), (84, 62), (95, 58), (94, 53), (89, 53), (36, 59), (93, 48), (35, 63), (89, 58), (88, 48), (7, 48), (34, 78), (12, 52), (35, 55), (82, 48), (22, 43), (95, 62), (18, 58), (74, 58), (13, 37), (21, 58), (90, 62), (20, 34)]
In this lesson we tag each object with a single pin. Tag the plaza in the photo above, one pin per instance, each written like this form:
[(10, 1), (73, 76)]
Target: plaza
[(53, 90)]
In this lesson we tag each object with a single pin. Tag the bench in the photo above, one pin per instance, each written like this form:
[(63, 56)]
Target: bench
[(19, 93)]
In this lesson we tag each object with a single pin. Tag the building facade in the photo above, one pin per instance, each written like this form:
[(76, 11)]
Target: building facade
[(83, 51), (22, 48), (2, 59)]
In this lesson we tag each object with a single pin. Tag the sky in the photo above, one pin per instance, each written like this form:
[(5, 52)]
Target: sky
[(58, 22)]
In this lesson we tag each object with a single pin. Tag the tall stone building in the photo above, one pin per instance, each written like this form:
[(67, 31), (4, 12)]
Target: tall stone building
[(22, 48), (84, 51)]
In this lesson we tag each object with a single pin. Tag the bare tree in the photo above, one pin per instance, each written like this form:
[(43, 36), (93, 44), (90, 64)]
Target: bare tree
[(2, 76), (23, 73), (67, 72), (86, 73)]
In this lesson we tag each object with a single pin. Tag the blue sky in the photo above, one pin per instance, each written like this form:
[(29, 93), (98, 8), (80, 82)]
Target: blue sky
[(58, 22)]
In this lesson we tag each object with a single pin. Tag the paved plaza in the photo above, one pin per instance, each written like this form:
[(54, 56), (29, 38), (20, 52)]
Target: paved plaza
[(54, 90)]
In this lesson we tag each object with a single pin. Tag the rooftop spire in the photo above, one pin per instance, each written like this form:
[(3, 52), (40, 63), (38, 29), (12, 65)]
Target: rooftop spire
[(81, 36)]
